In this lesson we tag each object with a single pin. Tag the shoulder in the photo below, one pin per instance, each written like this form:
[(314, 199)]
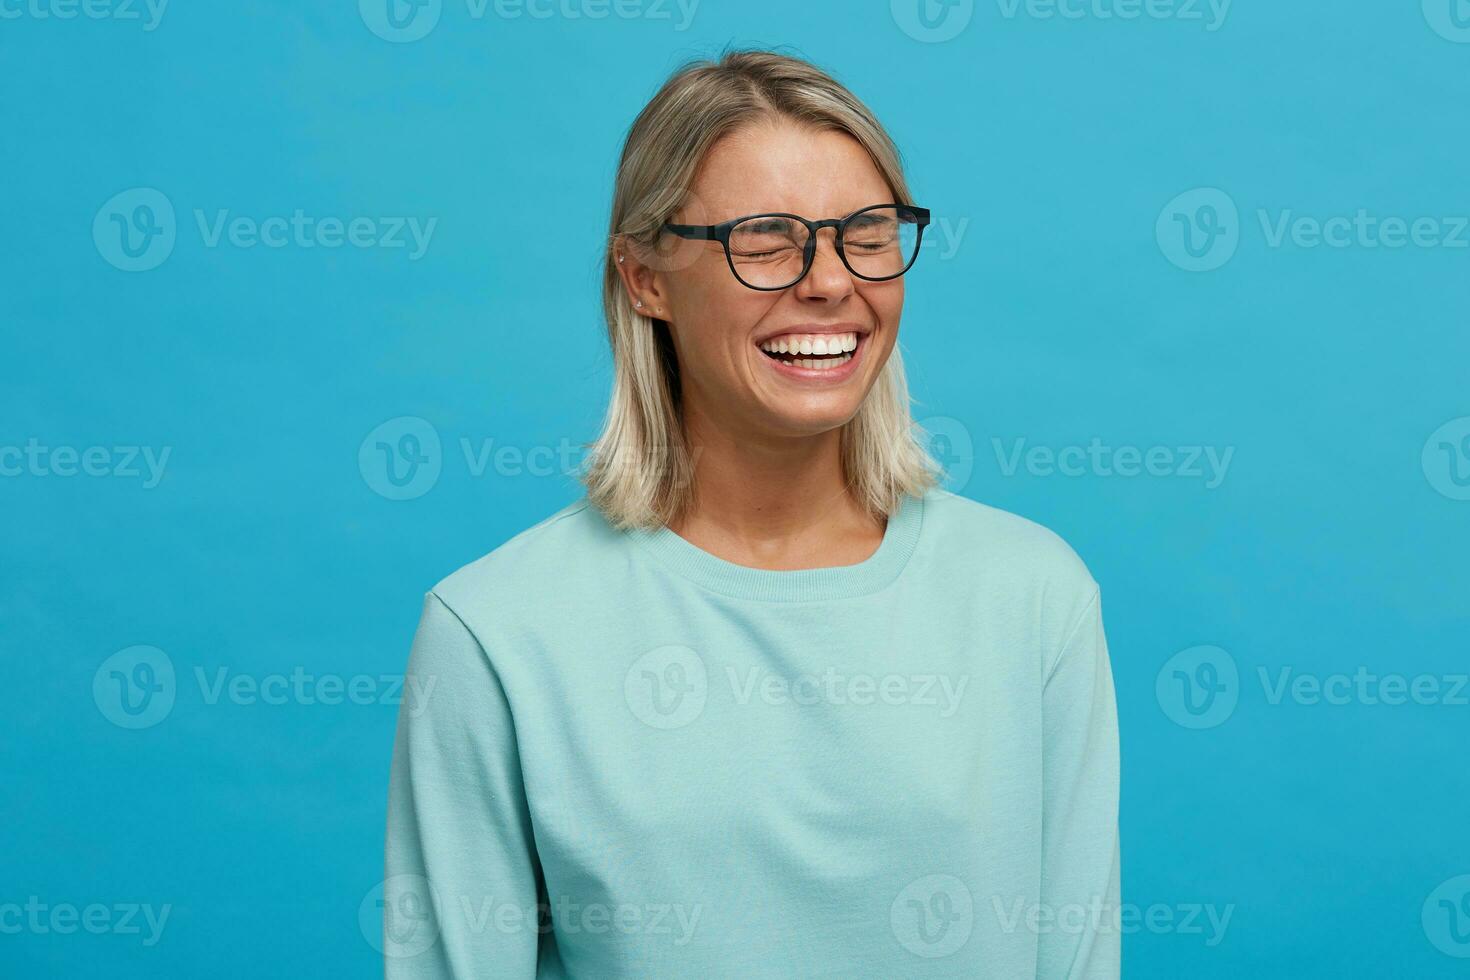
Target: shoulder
[(979, 536), (1013, 567), (535, 561), (543, 574)]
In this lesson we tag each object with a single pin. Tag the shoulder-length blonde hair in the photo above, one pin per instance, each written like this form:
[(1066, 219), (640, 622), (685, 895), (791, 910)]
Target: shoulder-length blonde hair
[(640, 470)]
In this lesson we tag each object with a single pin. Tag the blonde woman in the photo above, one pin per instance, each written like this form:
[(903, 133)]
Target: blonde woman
[(765, 702)]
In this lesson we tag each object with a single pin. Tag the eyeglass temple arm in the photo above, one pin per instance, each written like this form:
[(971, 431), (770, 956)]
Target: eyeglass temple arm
[(707, 233), (711, 233)]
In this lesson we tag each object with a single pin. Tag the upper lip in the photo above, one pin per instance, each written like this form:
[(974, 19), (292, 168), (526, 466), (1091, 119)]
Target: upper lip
[(815, 328)]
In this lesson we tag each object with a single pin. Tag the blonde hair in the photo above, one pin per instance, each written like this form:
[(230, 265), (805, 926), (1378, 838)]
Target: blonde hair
[(640, 470)]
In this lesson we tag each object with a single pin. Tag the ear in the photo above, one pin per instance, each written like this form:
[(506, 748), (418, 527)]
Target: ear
[(641, 277)]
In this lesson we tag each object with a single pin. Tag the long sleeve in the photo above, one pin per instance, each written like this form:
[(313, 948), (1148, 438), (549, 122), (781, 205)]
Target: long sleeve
[(461, 885), (697, 769), (1080, 877)]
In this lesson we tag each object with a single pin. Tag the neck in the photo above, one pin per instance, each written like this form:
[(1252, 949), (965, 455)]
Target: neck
[(774, 502)]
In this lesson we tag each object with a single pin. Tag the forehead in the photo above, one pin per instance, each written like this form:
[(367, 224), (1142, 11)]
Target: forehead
[(782, 165)]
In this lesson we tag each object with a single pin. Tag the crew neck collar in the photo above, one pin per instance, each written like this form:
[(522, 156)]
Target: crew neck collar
[(900, 538)]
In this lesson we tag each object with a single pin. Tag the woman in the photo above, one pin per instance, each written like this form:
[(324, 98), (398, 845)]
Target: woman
[(765, 702)]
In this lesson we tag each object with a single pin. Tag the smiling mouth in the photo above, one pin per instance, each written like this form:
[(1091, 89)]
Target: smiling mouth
[(814, 352)]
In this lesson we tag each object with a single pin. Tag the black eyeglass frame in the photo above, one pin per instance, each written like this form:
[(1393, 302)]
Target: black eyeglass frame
[(721, 233)]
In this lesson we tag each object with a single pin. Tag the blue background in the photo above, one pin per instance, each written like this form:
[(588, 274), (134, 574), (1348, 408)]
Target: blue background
[(1048, 147)]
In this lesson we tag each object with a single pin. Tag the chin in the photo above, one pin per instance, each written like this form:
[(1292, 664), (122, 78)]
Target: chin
[(813, 419)]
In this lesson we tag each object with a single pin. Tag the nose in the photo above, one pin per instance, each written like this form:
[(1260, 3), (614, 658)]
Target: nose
[(828, 279)]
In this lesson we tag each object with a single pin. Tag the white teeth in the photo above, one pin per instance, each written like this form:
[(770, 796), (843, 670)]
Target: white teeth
[(820, 363), (832, 350), (811, 343)]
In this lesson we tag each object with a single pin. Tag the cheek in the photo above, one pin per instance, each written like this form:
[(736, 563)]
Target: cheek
[(886, 302), (712, 302), (703, 290), (713, 317)]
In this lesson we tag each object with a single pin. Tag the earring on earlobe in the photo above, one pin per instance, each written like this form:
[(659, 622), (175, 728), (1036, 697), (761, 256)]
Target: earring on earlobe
[(638, 305), (620, 259)]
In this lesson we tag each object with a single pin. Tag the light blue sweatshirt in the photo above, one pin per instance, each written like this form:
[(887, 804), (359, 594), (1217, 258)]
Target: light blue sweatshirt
[(906, 767)]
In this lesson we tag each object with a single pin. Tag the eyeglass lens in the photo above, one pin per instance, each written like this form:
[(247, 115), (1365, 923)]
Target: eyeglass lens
[(768, 251)]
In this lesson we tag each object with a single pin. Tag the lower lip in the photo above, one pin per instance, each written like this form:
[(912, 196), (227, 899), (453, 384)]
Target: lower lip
[(819, 375)]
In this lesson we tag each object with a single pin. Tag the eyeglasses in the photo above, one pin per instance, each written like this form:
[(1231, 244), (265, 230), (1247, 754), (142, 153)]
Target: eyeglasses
[(775, 251)]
